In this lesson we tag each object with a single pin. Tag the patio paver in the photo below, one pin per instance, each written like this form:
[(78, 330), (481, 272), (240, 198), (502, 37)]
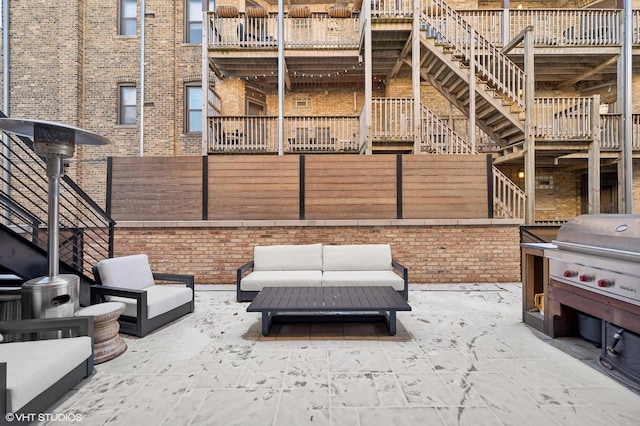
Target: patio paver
[(462, 356)]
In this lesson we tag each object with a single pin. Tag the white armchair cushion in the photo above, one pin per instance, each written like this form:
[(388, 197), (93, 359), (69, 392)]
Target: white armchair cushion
[(362, 278), (257, 280), (160, 299), (361, 257), (34, 366), (303, 257), (132, 272)]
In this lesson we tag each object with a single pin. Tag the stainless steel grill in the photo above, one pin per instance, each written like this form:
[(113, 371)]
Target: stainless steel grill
[(600, 253), (595, 270)]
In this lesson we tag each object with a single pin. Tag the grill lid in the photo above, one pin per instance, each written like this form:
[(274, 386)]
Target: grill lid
[(611, 235)]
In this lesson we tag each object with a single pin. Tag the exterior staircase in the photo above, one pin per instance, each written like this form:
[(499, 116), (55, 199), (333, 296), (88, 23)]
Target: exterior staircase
[(452, 53), (438, 138)]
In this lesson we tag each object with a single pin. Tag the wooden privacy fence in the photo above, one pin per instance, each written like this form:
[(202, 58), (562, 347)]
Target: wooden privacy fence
[(294, 187)]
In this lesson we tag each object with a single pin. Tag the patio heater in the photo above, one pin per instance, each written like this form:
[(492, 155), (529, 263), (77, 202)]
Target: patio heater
[(55, 295)]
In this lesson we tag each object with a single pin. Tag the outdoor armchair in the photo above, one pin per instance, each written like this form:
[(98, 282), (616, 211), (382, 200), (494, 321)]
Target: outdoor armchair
[(38, 367), (129, 279)]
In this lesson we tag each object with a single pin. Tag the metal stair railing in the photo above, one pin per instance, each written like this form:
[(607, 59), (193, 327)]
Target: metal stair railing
[(491, 66), (86, 231)]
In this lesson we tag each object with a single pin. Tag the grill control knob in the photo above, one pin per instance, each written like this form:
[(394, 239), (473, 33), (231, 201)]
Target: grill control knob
[(586, 278), (605, 283), (569, 274)]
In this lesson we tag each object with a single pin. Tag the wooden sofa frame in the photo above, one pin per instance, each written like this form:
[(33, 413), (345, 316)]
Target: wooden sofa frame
[(141, 325), (75, 326)]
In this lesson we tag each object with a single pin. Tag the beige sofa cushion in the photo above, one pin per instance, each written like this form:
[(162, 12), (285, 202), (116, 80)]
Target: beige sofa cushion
[(303, 257), (34, 366), (160, 299), (257, 280), (360, 257), (362, 278)]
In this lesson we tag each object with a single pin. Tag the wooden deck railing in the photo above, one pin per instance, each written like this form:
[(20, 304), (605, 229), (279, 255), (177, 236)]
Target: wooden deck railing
[(394, 8), (245, 134), (563, 118), (392, 119), (439, 138), (317, 31), (553, 27), (556, 119), (610, 131), (562, 127), (321, 31), (508, 198)]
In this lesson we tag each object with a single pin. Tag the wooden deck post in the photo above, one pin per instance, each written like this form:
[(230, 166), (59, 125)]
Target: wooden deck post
[(594, 158), (415, 79), (529, 139), (368, 84)]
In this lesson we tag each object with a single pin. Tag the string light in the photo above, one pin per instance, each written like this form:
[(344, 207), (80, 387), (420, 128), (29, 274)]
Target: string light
[(297, 74)]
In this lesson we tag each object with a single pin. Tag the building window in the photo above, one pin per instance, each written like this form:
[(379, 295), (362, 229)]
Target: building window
[(193, 115), (194, 20), (128, 17), (127, 104)]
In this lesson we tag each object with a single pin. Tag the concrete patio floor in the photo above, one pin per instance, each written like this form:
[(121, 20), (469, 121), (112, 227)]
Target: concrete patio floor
[(462, 356)]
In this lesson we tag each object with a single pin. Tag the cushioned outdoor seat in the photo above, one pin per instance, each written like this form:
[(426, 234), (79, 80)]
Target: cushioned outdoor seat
[(35, 374), (280, 266), (362, 278), (129, 280), (360, 265), (259, 279)]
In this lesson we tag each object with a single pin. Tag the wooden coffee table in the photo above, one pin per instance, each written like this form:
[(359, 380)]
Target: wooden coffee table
[(310, 301)]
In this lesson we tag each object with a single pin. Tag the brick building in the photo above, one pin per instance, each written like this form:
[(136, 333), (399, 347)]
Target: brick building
[(81, 63), (354, 80)]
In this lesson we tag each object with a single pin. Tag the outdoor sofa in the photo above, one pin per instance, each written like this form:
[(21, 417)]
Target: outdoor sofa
[(320, 265)]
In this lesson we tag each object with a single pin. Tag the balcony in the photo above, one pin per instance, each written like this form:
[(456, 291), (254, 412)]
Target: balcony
[(249, 134), (320, 45), (557, 121), (319, 31), (318, 49), (553, 27)]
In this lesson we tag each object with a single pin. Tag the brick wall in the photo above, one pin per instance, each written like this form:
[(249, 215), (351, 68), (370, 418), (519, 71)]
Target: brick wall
[(433, 254)]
